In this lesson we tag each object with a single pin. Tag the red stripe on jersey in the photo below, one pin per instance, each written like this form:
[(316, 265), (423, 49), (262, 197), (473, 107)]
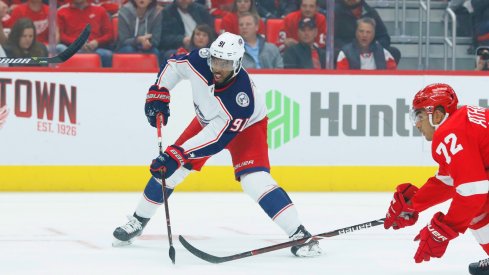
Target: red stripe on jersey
[(161, 75)]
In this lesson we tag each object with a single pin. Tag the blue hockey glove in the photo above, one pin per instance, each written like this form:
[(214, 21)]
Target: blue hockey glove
[(169, 162), (157, 101)]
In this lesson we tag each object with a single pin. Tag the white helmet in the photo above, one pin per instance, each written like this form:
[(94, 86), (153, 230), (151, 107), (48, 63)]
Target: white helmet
[(228, 46)]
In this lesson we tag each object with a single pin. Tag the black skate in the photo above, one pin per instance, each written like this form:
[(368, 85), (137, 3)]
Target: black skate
[(309, 249), (124, 235), (479, 268)]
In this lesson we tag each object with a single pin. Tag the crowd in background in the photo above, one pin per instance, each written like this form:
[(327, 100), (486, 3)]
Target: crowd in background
[(164, 28)]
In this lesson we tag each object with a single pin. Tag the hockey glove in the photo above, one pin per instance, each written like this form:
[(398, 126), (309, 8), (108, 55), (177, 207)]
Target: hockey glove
[(157, 101), (169, 162), (400, 214), (433, 239)]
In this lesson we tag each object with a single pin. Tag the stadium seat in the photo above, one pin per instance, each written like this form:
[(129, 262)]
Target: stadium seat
[(217, 25), (115, 26), (275, 31), (82, 61), (136, 61)]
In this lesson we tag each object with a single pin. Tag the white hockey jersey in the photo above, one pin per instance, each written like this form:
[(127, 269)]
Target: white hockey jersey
[(224, 112)]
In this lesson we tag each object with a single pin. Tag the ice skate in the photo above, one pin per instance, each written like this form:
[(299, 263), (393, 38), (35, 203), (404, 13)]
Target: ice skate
[(479, 268), (124, 235), (309, 249)]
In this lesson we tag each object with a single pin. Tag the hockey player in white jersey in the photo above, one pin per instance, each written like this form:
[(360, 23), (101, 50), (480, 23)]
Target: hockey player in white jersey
[(229, 115)]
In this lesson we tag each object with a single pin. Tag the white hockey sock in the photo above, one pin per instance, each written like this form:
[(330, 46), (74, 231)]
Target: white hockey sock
[(262, 188), (153, 195)]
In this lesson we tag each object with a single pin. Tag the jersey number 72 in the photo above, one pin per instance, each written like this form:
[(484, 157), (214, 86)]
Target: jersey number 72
[(451, 141)]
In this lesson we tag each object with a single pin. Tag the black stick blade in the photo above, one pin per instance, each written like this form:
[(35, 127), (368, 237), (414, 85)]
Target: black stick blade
[(172, 254), (62, 57), (199, 253), (74, 47)]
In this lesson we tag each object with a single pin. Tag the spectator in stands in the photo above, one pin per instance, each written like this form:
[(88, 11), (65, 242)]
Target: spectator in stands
[(111, 6), (139, 27), (38, 12), (463, 11), (179, 20), (230, 21), (308, 9), (202, 37), (258, 54), (482, 59), (220, 8), (481, 22), (22, 42), (275, 9), (364, 53), (347, 12), (3, 13), (73, 18), (305, 54)]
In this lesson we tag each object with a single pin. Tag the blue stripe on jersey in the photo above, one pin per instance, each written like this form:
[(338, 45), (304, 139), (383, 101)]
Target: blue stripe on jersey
[(154, 192), (274, 202)]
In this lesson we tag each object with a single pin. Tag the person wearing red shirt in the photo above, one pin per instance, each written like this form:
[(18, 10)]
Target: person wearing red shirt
[(308, 9), (460, 146), (73, 18), (38, 12), (220, 8), (230, 21)]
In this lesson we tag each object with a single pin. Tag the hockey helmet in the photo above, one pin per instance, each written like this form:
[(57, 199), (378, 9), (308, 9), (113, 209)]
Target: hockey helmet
[(227, 47), (432, 96)]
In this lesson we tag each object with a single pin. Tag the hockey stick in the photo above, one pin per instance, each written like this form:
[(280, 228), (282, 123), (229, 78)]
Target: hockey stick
[(60, 58), (159, 122), (216, 260)]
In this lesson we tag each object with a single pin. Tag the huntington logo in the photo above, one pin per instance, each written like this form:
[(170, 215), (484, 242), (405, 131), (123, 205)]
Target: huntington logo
[(283, 119)]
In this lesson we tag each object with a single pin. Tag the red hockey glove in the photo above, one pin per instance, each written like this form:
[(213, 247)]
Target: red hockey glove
[(400, 214), (433, 239)]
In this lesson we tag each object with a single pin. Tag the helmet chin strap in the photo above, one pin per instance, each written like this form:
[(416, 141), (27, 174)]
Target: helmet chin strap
[(430, 117)]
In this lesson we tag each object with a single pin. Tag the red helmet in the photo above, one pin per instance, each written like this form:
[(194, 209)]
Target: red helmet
[(434, 95)]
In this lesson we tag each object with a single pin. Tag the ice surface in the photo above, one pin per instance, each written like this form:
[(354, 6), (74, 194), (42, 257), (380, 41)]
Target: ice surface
[(71, 233)]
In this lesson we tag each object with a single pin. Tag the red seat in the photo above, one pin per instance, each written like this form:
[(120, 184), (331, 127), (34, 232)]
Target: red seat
[(115, 27), (82, 61), (217, 25), (275, 32), (136, 61)]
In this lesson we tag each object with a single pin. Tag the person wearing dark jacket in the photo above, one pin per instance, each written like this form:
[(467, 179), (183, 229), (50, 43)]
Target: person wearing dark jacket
[(306, 54), (179, 20), (364, 53), (347, 12)]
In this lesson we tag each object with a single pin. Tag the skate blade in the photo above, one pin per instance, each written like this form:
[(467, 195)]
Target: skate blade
[(119, 243)]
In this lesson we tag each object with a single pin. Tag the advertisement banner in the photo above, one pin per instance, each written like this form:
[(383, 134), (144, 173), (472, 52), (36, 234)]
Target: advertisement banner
[(92, 123)]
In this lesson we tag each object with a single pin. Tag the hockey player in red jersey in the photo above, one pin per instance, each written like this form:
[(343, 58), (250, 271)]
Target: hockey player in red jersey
[(460, 146), (230, 114)]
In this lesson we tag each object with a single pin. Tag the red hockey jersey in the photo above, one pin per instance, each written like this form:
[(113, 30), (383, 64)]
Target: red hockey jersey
[(461, 148)]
